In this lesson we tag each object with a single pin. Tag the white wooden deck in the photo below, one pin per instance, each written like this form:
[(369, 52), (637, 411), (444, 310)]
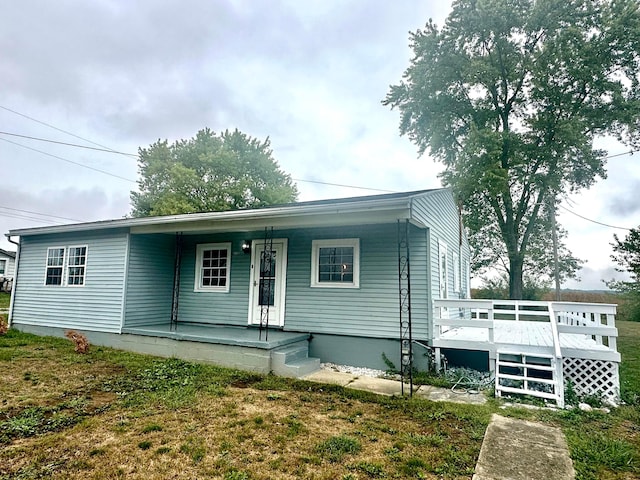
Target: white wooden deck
[(562, 329), (577, 339), (520, 335)]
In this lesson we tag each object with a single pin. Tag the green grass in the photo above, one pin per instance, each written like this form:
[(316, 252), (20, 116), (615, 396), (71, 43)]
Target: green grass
[(64, 415), (5, 299)]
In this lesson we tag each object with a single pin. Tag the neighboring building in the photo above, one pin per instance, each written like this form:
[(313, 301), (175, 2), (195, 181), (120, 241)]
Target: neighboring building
[(7, 267), (330, 275), (7, 263)]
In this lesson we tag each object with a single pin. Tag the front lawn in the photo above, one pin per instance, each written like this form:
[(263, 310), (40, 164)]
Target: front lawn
[(110, 414)]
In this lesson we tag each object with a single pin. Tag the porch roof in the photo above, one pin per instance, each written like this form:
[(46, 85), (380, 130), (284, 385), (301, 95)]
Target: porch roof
[(333, 212)]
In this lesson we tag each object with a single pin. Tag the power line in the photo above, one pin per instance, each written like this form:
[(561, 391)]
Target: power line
[(69, 144), (54, 127), (342, 185), (43, 214), (26, 217), (69, 161), (593, 221), (630, 152)]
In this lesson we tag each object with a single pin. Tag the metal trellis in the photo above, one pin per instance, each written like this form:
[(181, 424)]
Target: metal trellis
[(404, 291)]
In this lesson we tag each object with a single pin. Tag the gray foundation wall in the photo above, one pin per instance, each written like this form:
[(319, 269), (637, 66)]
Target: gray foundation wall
[(233, 356), (362, 352)]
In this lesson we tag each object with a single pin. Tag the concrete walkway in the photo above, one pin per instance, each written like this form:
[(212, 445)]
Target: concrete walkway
[(515, 449), (383, 386), (512, 449)]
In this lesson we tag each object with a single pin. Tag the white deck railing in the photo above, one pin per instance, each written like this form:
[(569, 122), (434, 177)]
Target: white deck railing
[(593, 320)]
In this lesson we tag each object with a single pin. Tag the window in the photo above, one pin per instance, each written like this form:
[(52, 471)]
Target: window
[(335, 263), (55, 266), (456, 273), (77, 260), (72, 259), (443, 270), (212, 267), (3, 266)]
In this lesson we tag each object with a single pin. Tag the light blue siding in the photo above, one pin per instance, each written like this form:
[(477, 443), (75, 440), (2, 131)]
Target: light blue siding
[(149, 280), (371, 310), (228, 308), (439, 212), (97, 305)]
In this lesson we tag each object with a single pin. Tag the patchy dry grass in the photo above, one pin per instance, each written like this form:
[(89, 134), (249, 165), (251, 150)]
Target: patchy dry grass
[(110, 414)]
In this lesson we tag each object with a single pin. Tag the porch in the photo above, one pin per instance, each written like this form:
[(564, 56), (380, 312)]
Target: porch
[(264, 351), (536, 348)]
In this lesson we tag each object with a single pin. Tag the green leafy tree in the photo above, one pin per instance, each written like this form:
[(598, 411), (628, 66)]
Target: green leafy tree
[(627, 256), (209, 173), (489, 254), (510, 95)]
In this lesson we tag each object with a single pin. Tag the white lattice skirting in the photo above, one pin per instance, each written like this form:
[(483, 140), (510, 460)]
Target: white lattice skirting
[(593, 377)]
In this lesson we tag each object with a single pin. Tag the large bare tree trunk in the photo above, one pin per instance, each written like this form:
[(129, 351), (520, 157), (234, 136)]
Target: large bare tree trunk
[(515, 277)]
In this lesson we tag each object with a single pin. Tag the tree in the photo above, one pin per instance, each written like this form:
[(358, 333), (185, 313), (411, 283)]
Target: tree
[(489, 255), (627, 256), (510, 95), (209, 173)]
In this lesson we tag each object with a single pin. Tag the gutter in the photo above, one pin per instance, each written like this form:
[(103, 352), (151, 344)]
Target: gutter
[(15, 278)]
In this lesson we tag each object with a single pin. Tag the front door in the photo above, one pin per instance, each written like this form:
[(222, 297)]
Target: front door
[(268, 283)]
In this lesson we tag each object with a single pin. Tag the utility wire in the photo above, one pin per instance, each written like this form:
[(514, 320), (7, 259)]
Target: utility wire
[(43, 214), (69, 161), (593, 221), (69, 144), (26, 217), (54, 127), (342, 185)]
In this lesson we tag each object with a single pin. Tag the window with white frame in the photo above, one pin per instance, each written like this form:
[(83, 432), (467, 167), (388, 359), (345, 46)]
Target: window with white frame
[(335, 263), (213, 262), (443, 270), (76, 262), (55, 266), (456, 273), (3, 267)]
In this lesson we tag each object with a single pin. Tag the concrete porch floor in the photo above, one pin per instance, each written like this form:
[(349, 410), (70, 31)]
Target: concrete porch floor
[(220, 334)]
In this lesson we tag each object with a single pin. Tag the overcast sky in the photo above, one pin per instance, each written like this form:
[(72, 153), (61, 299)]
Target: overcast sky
[(310, 75)]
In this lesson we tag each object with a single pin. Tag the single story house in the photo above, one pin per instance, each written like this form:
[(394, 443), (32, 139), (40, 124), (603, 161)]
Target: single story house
[(349, 281)]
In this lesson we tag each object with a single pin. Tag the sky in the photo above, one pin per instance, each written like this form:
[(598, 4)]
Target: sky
[(310, 75)]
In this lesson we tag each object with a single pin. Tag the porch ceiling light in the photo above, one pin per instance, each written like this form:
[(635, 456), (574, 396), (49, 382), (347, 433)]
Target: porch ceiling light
[(246, 246)]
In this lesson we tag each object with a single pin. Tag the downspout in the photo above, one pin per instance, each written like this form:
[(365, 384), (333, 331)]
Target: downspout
[(15, 278)]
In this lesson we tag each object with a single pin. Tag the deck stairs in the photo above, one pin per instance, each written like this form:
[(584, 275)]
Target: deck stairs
[(293, 360), (537, 375)]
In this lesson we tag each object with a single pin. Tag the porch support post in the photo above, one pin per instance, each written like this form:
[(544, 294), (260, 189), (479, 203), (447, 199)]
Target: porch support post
[(176, 282), (404, 295)]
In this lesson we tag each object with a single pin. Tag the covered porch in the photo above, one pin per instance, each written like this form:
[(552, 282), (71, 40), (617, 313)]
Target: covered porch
[(277, 351)]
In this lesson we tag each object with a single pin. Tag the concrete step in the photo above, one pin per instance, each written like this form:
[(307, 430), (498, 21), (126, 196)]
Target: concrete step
[(301, 367), (293, 360)]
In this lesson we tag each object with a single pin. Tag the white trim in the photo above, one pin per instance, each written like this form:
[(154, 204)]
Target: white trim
[(316, 245), (442, 252), (197, 283), (14, 286), (457, 284), (67, 267), (62, 267), (125, 282), (257, 246)]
